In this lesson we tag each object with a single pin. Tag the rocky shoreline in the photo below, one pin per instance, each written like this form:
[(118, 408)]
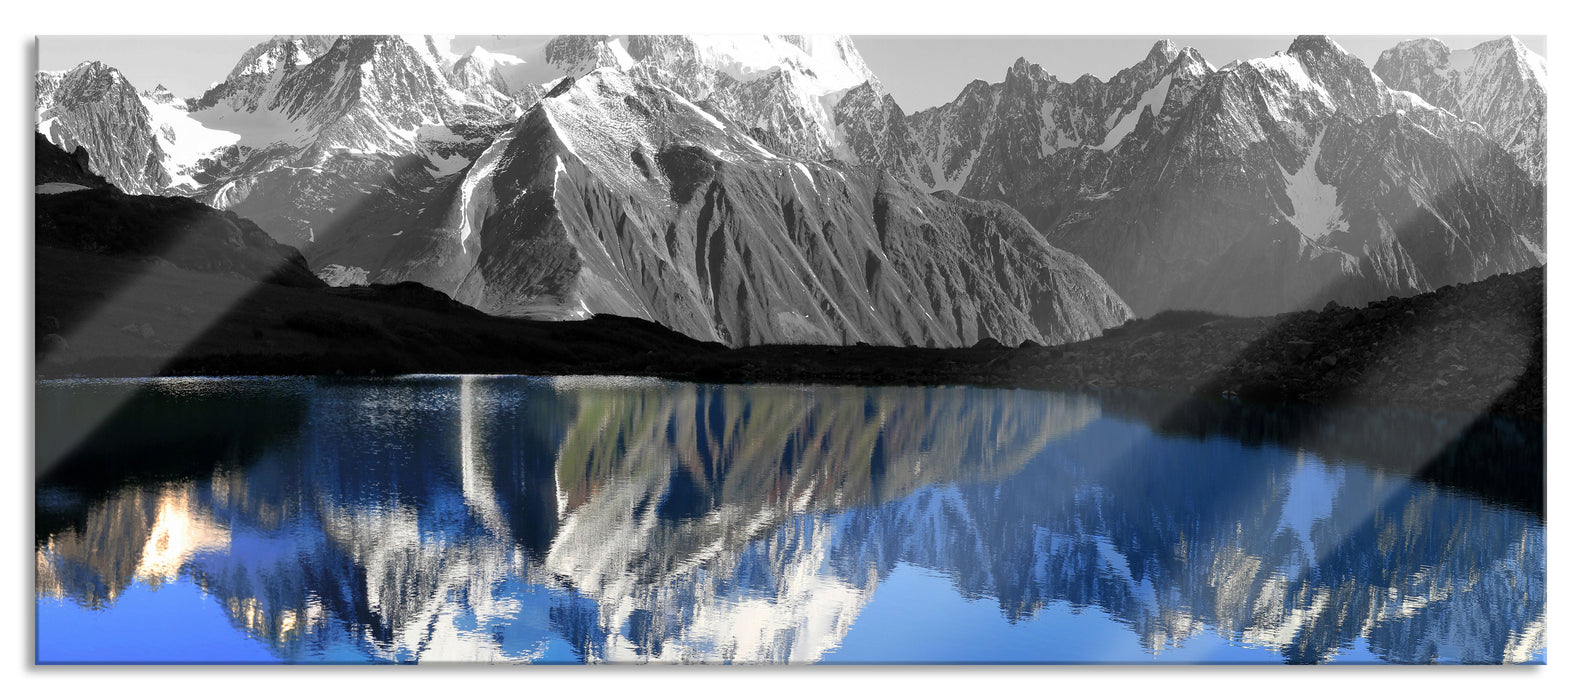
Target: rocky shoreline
[(1475, 347)]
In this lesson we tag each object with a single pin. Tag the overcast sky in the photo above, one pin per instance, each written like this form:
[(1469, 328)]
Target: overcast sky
[(920, 71)]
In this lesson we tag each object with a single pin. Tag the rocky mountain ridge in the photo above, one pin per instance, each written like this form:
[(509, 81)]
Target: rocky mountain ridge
[(1500, 84), (617, 195), (1262, 186)]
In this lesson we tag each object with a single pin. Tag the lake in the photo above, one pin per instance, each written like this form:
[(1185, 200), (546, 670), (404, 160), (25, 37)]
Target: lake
[(583, 520)]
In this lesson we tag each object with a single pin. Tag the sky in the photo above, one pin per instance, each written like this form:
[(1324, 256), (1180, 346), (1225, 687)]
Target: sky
[(919, 71)]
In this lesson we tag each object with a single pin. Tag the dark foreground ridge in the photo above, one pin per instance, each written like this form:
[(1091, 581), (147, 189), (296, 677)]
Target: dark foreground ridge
[(1477, 347)]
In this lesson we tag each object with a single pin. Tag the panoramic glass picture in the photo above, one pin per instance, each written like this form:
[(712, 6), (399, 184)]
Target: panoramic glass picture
[(790, 349)]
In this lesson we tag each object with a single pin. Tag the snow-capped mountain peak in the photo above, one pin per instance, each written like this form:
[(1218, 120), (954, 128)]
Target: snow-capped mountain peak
[(1500, 84), (787, 86), (1301, 174), (162, 95), (1163, 50), (94, 106)]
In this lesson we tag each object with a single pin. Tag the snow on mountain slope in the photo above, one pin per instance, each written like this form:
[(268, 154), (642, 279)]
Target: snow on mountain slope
[(340, 139), (163, 96), (242, 103), (789, 87), (371, 94), (1166, 177), (831, 62), (359, 93), (617, 195), (987, 142), (1150, 102), (1167, 172), (94, 106), (184, 140), (306, 128), (1501, 84), (493, 79), (1315, 207), (1292, 180)]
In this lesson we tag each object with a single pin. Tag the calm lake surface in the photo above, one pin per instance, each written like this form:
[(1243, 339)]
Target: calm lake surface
[(574, 520)]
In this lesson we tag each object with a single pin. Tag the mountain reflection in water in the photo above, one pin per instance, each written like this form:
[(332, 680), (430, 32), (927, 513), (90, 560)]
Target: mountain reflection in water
[(612, 520)]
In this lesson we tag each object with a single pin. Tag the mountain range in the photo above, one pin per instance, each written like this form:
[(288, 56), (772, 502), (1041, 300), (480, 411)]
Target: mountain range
[(767, 189)]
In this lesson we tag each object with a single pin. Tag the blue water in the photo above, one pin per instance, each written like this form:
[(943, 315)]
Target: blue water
[(574, 520)]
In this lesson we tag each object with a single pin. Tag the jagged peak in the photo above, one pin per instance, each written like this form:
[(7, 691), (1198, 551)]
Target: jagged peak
[(868, 89), (93, 67), (1426, 42), (977, 85), (266, 55), (1425, 49), (478, 53), (1488, 55), (1511, 44), (601, 79), (96, 73), (1316, 44), (1163, 50), (1088, 78), (1163, 57), (1508, 41), (161, 94), (1188, 60), (1326, 61), (314, 44), (1023, 68), (483, 57), (361, 49)]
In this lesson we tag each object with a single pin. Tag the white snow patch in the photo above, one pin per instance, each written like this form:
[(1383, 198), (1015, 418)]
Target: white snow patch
[(1533, 248), (824, 112), (753, 144), (476, 194), (805, 173), (618, 49), (1153, 98), (255, 129), (699, 110), (1051, 139), (1315, 207), (957, 178), (1291, 67), (184, 140)]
